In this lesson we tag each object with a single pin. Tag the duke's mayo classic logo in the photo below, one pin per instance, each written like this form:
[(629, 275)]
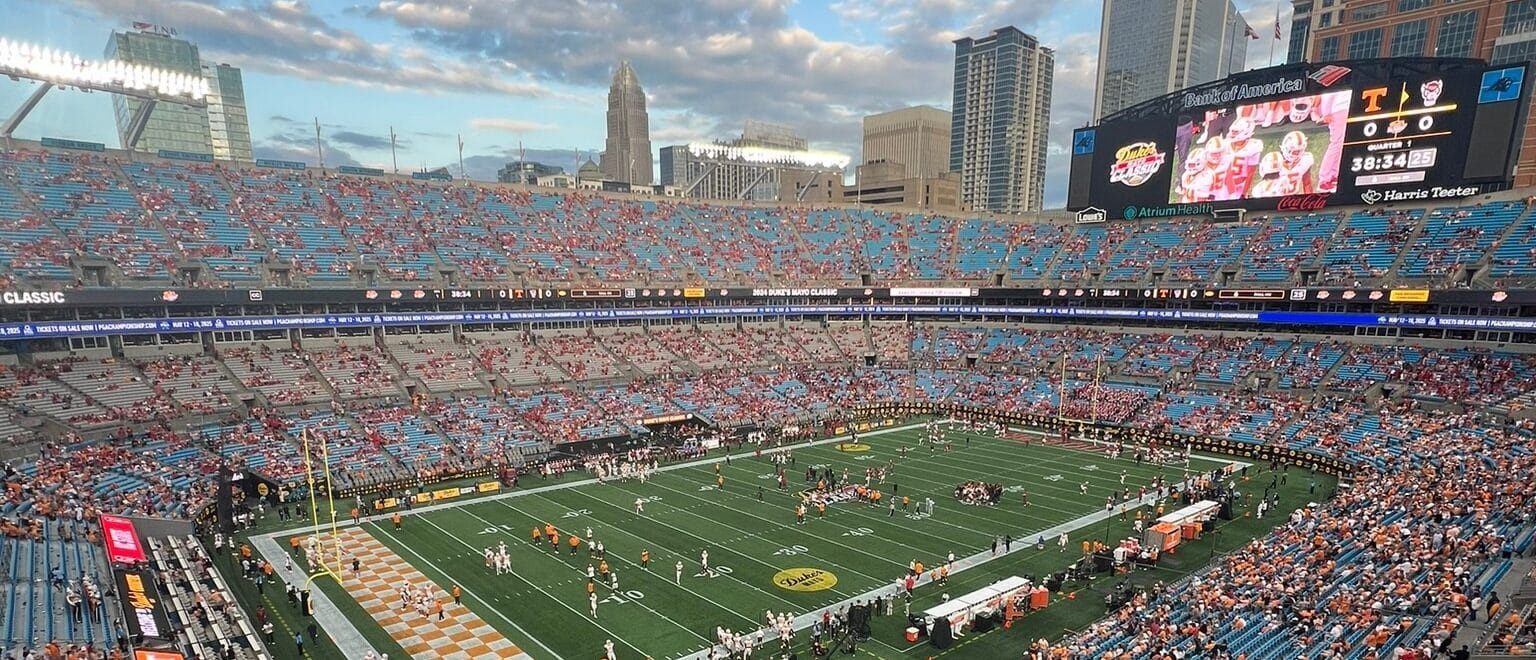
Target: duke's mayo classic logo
[(805, 579), (1135, 163)]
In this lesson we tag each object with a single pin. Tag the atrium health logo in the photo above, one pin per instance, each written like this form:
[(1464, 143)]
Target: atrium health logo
[(1129, 213)]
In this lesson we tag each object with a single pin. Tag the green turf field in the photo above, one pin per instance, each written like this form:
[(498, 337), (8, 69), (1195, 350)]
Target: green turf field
[(542, 605)]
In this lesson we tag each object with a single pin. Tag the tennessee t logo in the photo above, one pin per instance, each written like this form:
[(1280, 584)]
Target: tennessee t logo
[(1372, 98)]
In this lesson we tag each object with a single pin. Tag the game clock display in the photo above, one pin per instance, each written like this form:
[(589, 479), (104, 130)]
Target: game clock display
[(1389, 161), (1397, 131)]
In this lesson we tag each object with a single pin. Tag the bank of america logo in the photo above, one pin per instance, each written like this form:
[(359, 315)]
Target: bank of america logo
[(1328, 75)]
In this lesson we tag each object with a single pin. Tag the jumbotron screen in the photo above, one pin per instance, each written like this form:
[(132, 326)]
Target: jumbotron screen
[(1302, 137)]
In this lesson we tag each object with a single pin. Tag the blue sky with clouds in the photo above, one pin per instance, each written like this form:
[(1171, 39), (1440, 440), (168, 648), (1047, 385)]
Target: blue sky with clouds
[(536, 71)]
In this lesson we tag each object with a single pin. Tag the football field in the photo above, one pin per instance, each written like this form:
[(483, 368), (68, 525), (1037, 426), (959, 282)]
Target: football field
[(760, 559)]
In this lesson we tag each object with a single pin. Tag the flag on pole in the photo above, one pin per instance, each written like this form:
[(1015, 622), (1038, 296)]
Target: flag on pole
[(1248, 32), (1277, 23)]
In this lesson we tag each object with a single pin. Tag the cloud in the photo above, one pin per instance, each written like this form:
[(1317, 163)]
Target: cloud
[(510, 125), (684, 127), (285, 37), (365, 141), (297, 143), (724, 60)]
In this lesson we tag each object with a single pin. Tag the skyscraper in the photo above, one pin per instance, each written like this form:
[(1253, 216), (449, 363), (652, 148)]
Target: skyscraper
[(627, 151), (229, 126), (222, 129), (916, 138), (1148, 48), (999, 119)]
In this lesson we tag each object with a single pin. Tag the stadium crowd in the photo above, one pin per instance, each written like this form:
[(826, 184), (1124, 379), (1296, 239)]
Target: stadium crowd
[(247, 223)]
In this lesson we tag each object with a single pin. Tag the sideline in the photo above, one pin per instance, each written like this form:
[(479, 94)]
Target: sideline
[(1021, 544)]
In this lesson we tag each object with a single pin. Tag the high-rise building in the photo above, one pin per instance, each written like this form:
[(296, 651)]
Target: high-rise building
[(999, 120), (757, 133), (1300, 45), (916, 138), (1148, 48), (222, 129), (627, 152), (229, 126), (1499, 31)]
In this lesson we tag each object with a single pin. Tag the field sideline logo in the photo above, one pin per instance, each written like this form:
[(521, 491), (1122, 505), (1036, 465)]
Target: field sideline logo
[(805, 579)]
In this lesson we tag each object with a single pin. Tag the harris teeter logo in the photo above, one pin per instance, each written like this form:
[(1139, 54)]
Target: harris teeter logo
[(805, 579), (1136, 163)]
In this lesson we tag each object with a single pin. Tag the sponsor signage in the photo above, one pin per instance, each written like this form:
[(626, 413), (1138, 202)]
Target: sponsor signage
[(1136, 163), (145, 613), (665, 419), (143, 654), (186, 155), (805, 579), (1374, 196), (1409, 295), (362, 171), (1242, 92), (59, 143), (797, 293), (1091, 215), (121, 540), (33, 297), (1304, 202), (279, 164), (932, 292), (431, 176)]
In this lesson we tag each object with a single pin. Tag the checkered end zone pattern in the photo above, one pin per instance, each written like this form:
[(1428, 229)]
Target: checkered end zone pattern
[(460, 635)]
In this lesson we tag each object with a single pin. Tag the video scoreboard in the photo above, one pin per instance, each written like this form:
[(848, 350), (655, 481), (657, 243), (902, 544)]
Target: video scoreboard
[(1303, 137)]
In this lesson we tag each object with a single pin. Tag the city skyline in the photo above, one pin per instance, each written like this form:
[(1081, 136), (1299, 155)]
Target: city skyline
[(536, 83)]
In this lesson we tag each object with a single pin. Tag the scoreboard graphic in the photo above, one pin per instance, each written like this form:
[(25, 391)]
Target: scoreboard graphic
[(1303, 137)]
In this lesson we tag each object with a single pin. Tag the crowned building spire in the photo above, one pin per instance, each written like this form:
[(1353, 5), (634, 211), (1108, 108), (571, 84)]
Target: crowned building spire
[(627, 151)]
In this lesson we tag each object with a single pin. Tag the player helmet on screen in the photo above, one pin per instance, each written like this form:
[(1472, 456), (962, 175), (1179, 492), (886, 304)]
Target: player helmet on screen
[(1270, 165), (1195, 161), (1301, 108), (1240, 130), (1215, 149), (1293, 145)]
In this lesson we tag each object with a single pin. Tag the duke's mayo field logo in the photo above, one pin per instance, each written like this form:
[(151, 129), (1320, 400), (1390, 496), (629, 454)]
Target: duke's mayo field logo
[(805, 579), (1135, 163)]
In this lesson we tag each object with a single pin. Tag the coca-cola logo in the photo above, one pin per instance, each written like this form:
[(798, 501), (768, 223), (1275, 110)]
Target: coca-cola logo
[(1307, 202)]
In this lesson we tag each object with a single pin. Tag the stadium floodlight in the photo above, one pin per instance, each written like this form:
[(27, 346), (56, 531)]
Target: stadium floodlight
[(56, 68), (770, 156)]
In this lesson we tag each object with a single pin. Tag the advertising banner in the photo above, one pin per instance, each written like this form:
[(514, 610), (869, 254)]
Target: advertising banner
[(146, 615), (121, 540)]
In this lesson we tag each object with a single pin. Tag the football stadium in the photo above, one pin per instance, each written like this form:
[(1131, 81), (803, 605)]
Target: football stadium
[(1264, 386)]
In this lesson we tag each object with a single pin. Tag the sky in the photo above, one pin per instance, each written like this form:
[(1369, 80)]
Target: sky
[(535, 73)]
